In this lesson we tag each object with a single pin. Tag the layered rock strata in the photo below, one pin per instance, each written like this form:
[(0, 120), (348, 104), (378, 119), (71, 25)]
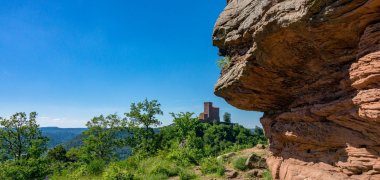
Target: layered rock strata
[(313, 68)]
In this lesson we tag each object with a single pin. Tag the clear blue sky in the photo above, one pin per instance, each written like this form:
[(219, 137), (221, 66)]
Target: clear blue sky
[(72, 60)]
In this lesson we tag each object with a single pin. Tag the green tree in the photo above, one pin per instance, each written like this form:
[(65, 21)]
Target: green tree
[(227, 117), (21, 136), (4, 155), (184, 124), (259, 135), (58, 153), (104, 137), (141, 119), (144, 113)]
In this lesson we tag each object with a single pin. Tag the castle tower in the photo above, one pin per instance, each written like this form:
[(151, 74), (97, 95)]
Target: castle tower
[(210, 114)]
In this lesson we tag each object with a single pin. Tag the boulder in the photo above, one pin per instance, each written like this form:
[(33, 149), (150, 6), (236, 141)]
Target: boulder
[(256, 173), (255, 161), (226, 157), (231, 174), (260, 146)]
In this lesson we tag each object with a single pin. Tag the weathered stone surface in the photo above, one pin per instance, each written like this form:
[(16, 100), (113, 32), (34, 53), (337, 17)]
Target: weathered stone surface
[(255, 162), (256, 173), (226, 157), (231, 174), (313, 68)]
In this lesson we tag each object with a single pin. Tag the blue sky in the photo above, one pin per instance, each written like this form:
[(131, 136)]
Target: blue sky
[(72, 60)]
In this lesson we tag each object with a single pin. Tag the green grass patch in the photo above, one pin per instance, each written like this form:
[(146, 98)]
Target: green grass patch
[(239, 163), (267, 175), (186, 174), (212, 166)]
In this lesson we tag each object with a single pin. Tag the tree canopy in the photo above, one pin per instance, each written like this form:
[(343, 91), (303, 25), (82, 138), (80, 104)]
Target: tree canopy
[(20, 136)]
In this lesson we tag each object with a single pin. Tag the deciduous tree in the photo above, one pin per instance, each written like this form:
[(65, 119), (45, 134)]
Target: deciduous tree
[(227, 117), (21, 136), (105, 135), (141, 119)]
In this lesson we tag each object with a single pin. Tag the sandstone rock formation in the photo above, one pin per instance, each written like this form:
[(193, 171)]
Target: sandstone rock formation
[(313, 68)]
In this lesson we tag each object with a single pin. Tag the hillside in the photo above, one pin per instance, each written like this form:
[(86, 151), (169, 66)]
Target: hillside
[(60, 135)]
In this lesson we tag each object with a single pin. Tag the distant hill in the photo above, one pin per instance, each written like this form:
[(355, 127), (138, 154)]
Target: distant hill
[(60, 135), (77, 141)]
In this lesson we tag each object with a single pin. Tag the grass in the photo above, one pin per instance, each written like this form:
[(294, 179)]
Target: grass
[(212, 166), (187, 175), (239, 163), (267, 175)]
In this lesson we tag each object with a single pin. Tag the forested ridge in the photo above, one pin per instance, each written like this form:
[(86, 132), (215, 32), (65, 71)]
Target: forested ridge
[(122, 147)]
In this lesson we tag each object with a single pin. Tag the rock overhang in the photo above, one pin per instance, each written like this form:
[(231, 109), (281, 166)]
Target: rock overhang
[(289, 43), (308, 64)]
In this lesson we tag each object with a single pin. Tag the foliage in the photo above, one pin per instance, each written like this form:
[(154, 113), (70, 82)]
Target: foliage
[(212, 166), (170, 151), (58, 153), (24, 169), (103, 138), (224, 62), (73, 155), (239, 163), (227, 117), (95, 167), (187, 175), (4, 155), (185, 124), (260, 138), (166, 168), (143, 114), (21, 137), (116, 172)]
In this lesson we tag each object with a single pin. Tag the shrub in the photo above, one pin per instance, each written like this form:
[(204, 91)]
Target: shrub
[(58, 153), (164, 167), (115, 172), (24, 169), (187, 175), (184, 157), (212, 166), (169, 171), (223, 62), (155, 177), (267, 175), (239, 164), (96, 167), (77, 170)]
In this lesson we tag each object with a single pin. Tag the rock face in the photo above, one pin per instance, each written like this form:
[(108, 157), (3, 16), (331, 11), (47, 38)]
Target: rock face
[(313, 68)]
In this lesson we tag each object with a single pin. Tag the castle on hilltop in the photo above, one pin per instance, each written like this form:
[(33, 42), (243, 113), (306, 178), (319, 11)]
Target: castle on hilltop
[(210, 114)]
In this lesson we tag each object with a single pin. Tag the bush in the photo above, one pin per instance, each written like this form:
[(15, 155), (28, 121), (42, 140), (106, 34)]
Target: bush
[(185, 157), (187, 175), (115, 172), (77, 170), (164, 167), (239, 164), (24, 169), (96, 167), (155, 177), (212, 166), (58, 153)]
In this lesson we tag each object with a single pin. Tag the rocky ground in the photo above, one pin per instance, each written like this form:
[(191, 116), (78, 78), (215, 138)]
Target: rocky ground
[(256, 164)]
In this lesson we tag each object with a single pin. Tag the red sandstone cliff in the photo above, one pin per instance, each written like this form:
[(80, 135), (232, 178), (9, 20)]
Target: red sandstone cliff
[(313, 67)]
